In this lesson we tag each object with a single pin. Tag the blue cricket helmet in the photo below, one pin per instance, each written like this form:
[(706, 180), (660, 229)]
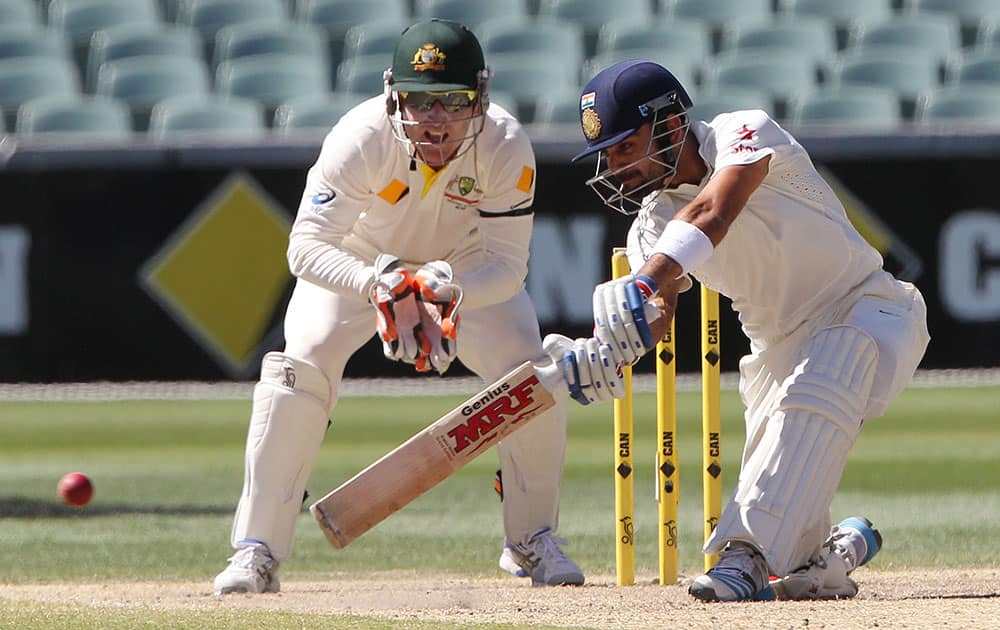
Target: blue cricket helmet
[(622, 97)]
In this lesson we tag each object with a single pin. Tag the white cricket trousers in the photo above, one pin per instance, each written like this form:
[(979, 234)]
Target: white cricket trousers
[(801, 420)]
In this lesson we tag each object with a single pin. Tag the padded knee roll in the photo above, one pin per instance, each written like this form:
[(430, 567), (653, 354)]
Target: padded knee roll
[(789, 479), (291, 404)]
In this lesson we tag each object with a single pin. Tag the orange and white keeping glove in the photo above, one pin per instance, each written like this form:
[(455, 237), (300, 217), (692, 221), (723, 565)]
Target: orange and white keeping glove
[(397, 313), (440, 298)]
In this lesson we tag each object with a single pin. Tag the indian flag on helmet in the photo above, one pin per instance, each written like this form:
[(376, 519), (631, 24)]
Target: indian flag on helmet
[(587, 100)]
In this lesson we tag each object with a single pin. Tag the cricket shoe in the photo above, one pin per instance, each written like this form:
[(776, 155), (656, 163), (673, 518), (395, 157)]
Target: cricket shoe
[(543, 560), (508, 563), (252, 569), (852, 543), (740, 575)]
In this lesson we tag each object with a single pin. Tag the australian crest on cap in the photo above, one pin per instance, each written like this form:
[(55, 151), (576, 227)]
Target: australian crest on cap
[(591, 123), (428, 57)]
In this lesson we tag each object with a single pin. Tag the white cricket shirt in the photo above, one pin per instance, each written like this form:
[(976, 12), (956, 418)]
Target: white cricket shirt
[(362, 198), (791, 254)]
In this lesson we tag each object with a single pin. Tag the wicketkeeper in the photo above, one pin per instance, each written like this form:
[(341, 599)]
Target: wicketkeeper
[(414, 224), (737, 204)]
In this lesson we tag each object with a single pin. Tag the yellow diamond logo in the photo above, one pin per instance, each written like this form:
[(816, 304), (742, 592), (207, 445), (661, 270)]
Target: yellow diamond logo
[(222, 274)]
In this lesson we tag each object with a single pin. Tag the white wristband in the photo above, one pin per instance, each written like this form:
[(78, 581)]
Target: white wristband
[(685, 243)]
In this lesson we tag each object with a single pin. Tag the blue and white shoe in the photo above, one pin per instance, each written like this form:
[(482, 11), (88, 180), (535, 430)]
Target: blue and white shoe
[(853, 542), (740, 575)]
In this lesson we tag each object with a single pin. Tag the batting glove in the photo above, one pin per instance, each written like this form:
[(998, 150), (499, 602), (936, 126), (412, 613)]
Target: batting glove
[(622, 316), (588, 367)]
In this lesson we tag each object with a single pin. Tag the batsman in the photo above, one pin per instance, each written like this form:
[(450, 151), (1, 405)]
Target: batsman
[(736, 203), (415, 225)]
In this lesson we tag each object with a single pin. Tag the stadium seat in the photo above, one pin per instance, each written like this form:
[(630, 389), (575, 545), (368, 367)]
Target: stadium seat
[(144, 81), (261, 38), (139, 40), (208, 16), (931, 33), (718, 12), (857, 107), (318, 112), (685, 68), (540, 39), (337, 17), (988, 35), (18, 13), (804, 35), (22, 42), (527, 81), (272, 79), (363, 76), (972, 103), (97, 117), (27, 78), (472, 13), (207, 114), (909, 75), (371, 39), (842, 11), (779, 74), (79, 19), (591, 15), (170, 10), (982, 68), (971, 13), (710, 103), (688, 37), (845, 14)]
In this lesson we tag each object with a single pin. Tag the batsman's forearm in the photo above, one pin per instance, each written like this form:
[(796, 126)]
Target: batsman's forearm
[(663, 269)]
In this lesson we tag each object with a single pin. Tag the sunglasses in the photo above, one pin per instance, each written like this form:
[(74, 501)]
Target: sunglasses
[(452, 101)]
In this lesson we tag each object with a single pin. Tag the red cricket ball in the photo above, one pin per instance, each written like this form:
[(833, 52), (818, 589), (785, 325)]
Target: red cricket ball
[(75, 489)]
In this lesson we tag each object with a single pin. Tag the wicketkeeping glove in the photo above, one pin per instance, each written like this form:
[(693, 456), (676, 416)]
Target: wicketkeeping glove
[(622, 316), (588, 367), (435, 288), (397, 313)]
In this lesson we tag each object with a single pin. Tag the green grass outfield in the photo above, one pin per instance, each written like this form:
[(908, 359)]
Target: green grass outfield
[(168, 473)]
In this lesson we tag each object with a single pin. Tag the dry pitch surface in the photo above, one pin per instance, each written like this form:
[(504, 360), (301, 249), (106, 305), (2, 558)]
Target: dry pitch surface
[(966, 598)]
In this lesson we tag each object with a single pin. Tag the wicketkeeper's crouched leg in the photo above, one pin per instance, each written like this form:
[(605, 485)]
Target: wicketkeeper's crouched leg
[(492, 340), (291, 405)]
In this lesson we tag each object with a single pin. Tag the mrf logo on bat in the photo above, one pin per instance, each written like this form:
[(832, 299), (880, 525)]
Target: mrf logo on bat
[(491, 416)]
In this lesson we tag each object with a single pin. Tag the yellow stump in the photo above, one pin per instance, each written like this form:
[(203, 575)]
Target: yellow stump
[(711, 415), (623, 472), (667, 457)]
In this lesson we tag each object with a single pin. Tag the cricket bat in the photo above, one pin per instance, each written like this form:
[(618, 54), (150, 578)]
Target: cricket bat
[(435, 453)]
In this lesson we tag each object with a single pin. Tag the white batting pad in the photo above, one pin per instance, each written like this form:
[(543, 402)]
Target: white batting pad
[(789, 477), (290, 412)]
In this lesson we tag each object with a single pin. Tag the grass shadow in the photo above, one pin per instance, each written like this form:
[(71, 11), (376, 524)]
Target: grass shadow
[(24, 507)]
